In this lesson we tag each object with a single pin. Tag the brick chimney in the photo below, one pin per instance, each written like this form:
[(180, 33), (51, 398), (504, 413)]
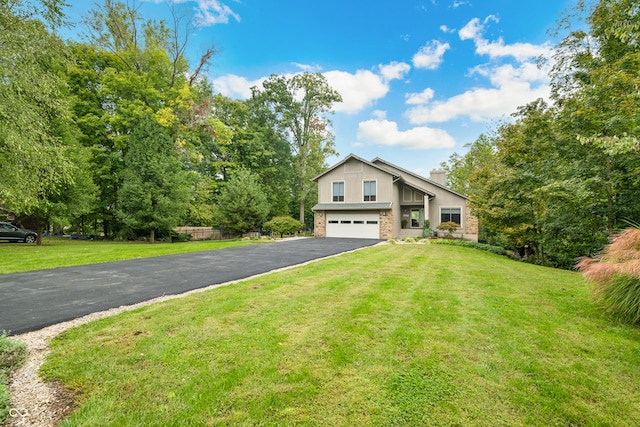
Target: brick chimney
[(439, 176)]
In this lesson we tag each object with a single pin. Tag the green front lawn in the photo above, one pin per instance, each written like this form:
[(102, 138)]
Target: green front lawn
[(60, 252), (389, 335)]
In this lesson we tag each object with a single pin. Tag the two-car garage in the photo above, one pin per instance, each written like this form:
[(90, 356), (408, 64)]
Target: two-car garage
[(357, 224)]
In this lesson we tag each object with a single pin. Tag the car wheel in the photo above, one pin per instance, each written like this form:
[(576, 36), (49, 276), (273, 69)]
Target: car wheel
[(30, 239)]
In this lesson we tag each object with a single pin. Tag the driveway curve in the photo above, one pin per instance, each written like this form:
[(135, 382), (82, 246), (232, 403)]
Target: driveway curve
[(34, 300)]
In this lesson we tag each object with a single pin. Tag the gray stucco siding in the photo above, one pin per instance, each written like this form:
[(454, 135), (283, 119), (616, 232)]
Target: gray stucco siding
[(353, 174)]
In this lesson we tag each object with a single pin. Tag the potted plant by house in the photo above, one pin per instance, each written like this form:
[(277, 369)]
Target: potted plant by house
[(404, 223)]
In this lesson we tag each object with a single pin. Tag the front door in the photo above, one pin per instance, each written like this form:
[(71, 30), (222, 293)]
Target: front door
[(417, 217)]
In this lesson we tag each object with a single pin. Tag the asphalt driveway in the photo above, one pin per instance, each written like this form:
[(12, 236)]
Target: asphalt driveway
[(34, 300)]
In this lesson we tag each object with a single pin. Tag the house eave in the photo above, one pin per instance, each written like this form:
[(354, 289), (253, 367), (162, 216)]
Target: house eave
[(381, 163), (353, 156), (368, 206)]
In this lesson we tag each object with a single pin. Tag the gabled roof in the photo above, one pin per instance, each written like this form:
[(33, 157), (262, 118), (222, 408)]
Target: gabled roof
[(415, 175), (353, 156), (386, 167), (416, 187)]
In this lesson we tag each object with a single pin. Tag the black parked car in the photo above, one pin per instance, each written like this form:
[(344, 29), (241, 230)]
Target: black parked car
[(14, 234)]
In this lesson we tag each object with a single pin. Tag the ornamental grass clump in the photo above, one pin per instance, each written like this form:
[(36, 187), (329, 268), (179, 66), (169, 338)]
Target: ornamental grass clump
[(615, 273)]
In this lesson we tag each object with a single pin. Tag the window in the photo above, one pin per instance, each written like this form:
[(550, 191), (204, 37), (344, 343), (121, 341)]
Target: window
[(369, 191), (338, 191), (372, 222), (333, 221), (450, 214)]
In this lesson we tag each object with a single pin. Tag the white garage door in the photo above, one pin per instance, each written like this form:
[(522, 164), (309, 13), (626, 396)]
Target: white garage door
[(365, 225)]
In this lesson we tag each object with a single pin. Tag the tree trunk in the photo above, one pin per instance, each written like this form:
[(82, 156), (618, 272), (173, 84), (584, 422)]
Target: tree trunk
[(302, 210), (40, 230), (152, 236)]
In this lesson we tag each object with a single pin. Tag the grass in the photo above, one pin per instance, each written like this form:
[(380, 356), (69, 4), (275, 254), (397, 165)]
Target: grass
[(60, 252), (440, 335), (12, 355)]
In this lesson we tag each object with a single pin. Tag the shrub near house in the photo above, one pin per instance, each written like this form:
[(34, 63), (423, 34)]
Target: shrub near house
[(283, 225)]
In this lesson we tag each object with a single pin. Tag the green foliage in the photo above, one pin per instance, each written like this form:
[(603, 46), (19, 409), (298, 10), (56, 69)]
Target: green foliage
[(426, 229), (462, 168), (283, 225), (12, 354), (497, 250), (558, 180), (449, 227), (252, 143), (615, 276), (200, 211), (242, 205), (33, 106), (154, 192), (297, 106)]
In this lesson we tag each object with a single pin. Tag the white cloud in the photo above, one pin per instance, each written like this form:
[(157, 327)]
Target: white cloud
[(419, 98), (519, 51), (511, 84), (504, 75), (235, 87), (379, 114), (358, 90), (446, 29), (498, 49), (308, 68), (385, 132), (470, 31), (430, 55), (394, 70), (208, 12), (512, 87)]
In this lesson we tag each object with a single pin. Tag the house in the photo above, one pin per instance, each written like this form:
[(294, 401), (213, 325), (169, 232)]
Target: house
[(6, 215), (379, 200)]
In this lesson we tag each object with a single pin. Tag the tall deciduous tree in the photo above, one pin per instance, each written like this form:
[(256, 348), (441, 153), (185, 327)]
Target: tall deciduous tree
[(299, 106), (461, 169), (564, 176), (33, 106), (132, 66), (253, 144), (154, 193), (595, 82)]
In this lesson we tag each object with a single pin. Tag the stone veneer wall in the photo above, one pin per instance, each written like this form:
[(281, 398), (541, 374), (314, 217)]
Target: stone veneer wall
[(320, 224), (386, 224), (470, 222)]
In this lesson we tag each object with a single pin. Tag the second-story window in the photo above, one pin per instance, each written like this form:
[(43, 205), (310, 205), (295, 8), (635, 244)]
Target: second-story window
[(338, 191), (369, 191)]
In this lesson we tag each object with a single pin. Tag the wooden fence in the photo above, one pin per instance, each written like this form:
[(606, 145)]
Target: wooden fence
[(200, 233)]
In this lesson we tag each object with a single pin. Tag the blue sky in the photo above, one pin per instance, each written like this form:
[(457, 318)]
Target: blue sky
[(419, 79)]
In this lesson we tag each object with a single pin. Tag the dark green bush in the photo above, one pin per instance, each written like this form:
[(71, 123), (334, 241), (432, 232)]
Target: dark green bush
[(283, 225), (475, 245)]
